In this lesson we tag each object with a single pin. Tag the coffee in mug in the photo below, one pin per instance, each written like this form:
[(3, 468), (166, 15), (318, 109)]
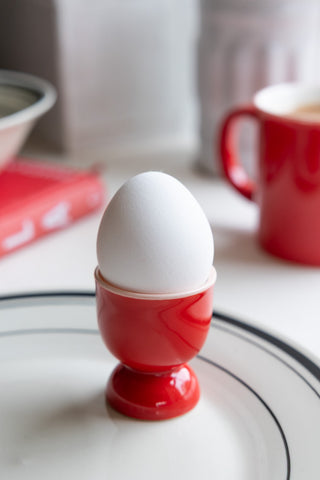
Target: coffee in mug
[(307, 113), (287, 188)]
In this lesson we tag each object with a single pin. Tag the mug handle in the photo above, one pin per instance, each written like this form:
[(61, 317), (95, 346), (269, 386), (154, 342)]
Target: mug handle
[(232, 166)]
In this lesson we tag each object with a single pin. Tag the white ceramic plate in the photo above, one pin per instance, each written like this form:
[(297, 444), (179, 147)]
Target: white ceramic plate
[(258, 417)]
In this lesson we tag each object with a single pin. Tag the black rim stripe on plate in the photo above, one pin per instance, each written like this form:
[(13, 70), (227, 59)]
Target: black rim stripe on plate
[(260, 399), (269, 352), (280, 344)]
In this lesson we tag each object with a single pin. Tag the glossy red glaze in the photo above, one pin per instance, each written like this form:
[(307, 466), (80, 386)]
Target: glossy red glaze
[(153, 336), (288, 186), (153, 397)]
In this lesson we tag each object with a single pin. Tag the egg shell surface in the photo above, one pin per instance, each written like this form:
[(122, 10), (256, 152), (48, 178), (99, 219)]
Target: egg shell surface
[(154, 237)]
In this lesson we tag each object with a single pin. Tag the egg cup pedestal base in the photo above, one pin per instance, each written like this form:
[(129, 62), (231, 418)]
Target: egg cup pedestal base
[(153, 395)]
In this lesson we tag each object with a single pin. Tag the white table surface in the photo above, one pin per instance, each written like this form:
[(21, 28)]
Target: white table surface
[(251, 285)]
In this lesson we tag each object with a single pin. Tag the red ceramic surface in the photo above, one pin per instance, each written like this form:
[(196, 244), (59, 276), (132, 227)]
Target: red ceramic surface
[(288, 185), (153, 336)]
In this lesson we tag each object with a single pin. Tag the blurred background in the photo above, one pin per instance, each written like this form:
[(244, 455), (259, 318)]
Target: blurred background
[(147, 75), (144, 84)]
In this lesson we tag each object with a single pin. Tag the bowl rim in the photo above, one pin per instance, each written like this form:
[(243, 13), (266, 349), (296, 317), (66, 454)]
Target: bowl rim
[(27, 82)]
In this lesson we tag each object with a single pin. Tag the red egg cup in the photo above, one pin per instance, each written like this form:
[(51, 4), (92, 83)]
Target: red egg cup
[(153, 336)]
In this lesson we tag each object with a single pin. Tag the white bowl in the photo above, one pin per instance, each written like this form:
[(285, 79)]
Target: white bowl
[(23, 99)]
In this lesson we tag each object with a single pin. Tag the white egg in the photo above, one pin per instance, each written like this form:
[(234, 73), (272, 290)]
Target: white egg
[(154, 237)]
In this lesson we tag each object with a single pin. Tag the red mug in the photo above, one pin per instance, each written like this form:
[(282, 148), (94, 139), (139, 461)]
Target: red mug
[(287, 188), (153, 336)]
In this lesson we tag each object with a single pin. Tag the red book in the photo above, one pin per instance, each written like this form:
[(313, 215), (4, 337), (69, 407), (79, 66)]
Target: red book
[(38, 198)]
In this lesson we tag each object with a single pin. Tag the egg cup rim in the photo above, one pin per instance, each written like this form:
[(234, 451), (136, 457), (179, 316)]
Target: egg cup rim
[(154, 296)]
